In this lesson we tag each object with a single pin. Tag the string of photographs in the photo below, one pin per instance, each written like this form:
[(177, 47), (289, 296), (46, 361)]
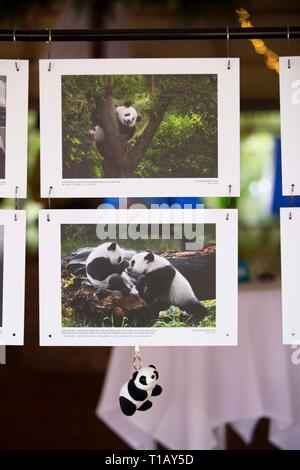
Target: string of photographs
[(132, 127), (13, 128), (147, 277), (290, 118), (12, 276)]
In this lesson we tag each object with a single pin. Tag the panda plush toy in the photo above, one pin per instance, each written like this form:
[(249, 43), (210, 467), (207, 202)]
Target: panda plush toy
[(135, 394), (127, 118)]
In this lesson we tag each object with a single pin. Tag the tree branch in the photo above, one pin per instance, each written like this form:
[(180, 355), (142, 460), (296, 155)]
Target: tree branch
[(142, 143)]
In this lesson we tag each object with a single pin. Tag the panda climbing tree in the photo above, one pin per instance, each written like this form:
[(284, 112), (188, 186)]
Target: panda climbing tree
[(139, 126), (115, 125)]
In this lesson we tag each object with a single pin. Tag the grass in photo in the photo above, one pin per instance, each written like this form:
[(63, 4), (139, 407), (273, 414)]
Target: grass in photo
[(141, 126), (142, 282)]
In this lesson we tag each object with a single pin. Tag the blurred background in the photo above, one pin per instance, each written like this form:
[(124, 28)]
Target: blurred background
[(48, 395)]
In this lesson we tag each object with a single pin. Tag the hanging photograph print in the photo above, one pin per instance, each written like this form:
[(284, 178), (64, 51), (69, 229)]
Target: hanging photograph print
[(13, 127), (156, 127), (148, 277), (290, 261), (290, 119), (12, 276), (2, 125)]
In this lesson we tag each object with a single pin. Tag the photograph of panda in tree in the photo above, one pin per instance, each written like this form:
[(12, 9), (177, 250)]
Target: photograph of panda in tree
[(136, 283), (2, 125), (139, 126)]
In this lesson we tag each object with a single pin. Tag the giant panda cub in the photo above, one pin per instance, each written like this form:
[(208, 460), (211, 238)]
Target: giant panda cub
[(127, 118), (105, 269), (162, 285)]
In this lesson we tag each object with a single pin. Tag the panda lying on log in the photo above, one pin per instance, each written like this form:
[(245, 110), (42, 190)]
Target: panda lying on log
[(127, 118), (161, 285)]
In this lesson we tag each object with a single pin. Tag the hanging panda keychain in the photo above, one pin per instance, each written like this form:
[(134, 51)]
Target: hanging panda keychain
[(135, 393)]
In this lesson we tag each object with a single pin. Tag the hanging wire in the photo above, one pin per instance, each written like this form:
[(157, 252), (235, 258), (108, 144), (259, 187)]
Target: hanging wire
[(49, 49), (228, 201), (292, 200), (16, 51), (49, 202), (16, 203), (227, 48), (288, 44)]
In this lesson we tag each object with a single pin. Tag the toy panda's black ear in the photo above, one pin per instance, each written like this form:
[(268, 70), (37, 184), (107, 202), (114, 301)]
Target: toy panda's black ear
[(134, 375), (139, 118), (151, 365), (149, 257), (112, 246), (127, 104)]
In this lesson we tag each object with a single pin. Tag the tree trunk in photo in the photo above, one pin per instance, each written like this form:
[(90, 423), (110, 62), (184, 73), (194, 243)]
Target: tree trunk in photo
[(118, 162), (113, 148)]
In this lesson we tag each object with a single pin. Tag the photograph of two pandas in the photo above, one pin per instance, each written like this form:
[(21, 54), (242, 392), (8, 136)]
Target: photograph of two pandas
[(138, 126), (136, 282)]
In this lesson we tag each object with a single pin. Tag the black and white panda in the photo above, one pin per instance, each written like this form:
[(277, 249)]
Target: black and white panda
[(162, 285), (135, 394), (127, 118), (105, 269)]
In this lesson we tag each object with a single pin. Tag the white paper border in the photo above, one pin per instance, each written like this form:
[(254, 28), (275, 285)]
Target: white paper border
[(290, 262), (289, 80), (226, 277), (228, 130), (16, 128), (12, 330)]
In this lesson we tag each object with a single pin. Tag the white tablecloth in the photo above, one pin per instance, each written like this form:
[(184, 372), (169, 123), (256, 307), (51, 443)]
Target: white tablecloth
[(207, 387)]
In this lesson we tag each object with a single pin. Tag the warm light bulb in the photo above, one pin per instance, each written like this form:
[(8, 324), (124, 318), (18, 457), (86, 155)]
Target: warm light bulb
[(271, 58)]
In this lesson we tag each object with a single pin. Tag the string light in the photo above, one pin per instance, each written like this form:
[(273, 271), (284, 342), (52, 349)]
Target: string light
[(260, 47)]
